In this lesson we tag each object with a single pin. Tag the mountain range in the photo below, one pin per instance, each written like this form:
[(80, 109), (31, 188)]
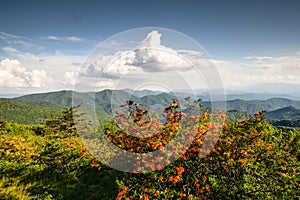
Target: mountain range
[(106, 100)]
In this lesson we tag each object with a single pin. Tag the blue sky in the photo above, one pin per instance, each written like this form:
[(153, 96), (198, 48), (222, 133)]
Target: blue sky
[(256, 40)]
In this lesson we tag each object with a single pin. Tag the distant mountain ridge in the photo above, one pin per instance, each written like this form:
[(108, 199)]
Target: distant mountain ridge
[(288, 116), (284, 113), (142, 93), (252, 106), (58, 98), (107, 100), (107, 97), (233, 95), (10, 95)]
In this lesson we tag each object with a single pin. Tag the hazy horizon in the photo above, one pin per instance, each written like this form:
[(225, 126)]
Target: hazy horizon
[(288, 91)]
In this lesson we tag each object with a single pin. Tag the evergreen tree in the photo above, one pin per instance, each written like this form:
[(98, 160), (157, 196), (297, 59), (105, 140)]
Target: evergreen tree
[(65, 121)]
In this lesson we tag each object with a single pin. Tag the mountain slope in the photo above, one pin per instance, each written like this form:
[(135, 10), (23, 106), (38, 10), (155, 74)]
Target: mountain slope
[(59, 98), (287, 113), (287, 117), (23, 113)]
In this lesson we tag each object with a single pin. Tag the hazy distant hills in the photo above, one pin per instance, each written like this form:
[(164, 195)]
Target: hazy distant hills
[(12, 95), (118, 97), (232, 95), (288, 116), (286, 89), (264, 91), (286, 113), (35, 104), (252, 106), (141, 93)]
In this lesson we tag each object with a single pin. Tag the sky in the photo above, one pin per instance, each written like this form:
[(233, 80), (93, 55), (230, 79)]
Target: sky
[(53, 45)]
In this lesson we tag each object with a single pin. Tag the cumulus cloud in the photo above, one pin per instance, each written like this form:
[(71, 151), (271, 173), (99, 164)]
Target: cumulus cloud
[(150, 55), (12, 74), (70, 78)]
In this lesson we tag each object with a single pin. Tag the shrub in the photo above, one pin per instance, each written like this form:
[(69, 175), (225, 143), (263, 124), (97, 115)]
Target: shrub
[(250, 160), (2, 124), (11, 189)]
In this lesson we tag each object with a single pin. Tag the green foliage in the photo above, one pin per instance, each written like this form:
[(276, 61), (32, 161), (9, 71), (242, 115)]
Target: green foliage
[(20, 112), (49, 99), (251, 160), (2, 124), (11, 189), (235, 115), (49, 167), (65, 121), (12, 128)]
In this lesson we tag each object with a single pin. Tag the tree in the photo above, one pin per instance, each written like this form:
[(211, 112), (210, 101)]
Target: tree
[(65, 121)]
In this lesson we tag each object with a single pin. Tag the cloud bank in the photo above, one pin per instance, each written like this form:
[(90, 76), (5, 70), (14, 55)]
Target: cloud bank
[(12, 74), (151, 57)]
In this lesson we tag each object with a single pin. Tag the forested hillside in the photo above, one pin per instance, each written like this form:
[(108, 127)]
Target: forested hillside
[(29, 112)]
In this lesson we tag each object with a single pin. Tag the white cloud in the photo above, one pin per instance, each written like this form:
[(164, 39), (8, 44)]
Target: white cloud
[(52, 37), (4, 35), (74, 39), (92, 82), (70, 78), (37, 78), (12, 74), (9, 49), (111, 44), (16, 39), (150, 55), (260, 69), (48, 65), (68, 38)]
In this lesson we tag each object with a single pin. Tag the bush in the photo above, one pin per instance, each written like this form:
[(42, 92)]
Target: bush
[(48, 167), (2, 124), (11, 189), (251, 160)]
